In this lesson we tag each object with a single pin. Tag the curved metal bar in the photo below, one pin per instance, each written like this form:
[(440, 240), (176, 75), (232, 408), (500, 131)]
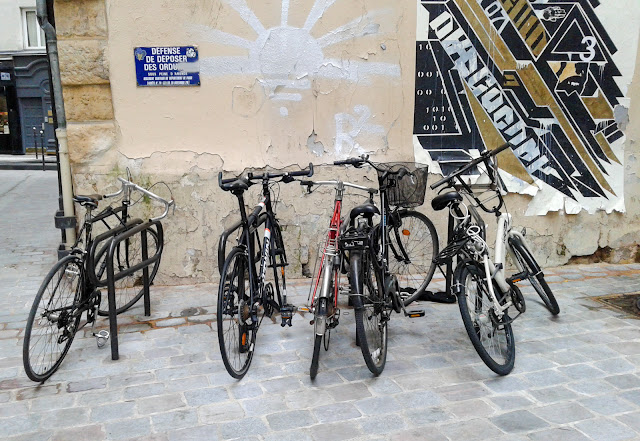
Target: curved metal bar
[(94, 257)]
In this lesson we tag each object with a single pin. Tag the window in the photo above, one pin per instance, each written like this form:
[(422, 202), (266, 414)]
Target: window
[(33, 33)]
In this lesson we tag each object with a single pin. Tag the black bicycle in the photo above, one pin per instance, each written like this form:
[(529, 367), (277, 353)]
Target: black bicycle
[(244, 298), (71, 286), (375, 290)]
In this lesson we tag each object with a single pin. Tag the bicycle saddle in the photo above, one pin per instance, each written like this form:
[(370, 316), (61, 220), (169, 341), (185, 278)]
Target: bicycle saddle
[(442, 201), (238, 185), (368, 210), (91, 199)]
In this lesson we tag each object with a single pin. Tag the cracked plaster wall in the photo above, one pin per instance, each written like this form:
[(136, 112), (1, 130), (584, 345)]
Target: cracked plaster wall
[(185, 136)]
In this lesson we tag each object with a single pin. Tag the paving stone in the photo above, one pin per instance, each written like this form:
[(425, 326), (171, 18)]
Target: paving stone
[(335, 431), (217, 412), (564, 433), (112, 411), (608, 405), (518, 421), (601, 429), (162, 403), (177, 419), (376, 425), (290, 419), (631, 419), (207, 395), (83, 433), (563, 413), (427, 416), (243, 428), (198, 433), (470, 430), (511, 401), (347, 392), (128, 428), (627, 381), (552, 394), (336, 412)]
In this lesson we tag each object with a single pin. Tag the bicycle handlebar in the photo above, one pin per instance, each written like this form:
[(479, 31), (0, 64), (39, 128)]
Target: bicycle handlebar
[(131, 186), (346, 184), (484, 156), (287, 177)]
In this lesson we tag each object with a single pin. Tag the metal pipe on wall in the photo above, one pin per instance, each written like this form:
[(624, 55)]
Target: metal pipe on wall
[(61, 131)]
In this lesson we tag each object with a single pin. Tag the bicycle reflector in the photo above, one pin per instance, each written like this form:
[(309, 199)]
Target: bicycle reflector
[(406, 232)]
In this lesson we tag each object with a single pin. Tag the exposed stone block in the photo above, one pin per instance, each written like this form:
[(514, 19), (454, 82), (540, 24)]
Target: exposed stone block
[(89, 141), (80, 18), (88, 103), (83, 62)]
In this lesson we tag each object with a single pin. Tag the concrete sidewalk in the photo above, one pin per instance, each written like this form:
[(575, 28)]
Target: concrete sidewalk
[(576, 375)]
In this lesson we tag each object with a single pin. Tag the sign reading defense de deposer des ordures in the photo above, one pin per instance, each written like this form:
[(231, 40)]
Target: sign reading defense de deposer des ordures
[(167, 66)]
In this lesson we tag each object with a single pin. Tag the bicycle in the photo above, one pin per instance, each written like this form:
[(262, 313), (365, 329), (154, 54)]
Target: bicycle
[(484, 305), (71, 287), (324, 303), (375, 290), (244, 298)]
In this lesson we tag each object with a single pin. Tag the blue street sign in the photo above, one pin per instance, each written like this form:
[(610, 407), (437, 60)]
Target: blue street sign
[(167, 66)]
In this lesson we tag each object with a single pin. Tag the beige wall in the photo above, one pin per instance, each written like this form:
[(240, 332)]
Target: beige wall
[(358, 97)]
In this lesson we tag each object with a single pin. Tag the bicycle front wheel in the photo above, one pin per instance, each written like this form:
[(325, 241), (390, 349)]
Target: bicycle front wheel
[(493, 341), (236, 331), (370, 312), (130, 289), (536, 278), (53, 322), (413, 244)]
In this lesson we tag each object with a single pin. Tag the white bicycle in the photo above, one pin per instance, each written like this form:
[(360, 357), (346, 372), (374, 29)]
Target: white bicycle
[(484, 305)]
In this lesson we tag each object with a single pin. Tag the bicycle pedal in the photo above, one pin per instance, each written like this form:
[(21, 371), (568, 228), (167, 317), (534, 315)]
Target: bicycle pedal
[(286, 312), (102, 337), (415, 313)]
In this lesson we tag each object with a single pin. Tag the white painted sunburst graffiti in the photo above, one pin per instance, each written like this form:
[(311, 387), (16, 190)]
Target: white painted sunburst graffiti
[(286, 59)]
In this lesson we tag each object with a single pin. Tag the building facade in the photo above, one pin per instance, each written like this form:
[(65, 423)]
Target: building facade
[(180, 92), (25, 98)]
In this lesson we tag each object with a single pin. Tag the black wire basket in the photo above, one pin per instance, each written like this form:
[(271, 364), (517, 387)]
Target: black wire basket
[(408, 191)]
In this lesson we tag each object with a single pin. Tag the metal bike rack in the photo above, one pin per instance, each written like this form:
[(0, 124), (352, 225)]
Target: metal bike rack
[(107, 243), (143, 265)]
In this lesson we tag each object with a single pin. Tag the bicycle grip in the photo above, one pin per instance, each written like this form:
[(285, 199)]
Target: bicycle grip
[(350, 161)]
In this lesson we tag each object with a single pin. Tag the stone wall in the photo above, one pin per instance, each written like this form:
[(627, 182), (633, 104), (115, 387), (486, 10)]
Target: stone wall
[(357, 98)]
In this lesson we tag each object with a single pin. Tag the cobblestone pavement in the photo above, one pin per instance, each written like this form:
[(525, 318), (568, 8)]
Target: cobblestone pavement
[(576, 376)]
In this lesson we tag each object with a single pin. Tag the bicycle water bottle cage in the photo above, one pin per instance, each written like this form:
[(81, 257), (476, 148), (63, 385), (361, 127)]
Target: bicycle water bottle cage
[(442, 201)]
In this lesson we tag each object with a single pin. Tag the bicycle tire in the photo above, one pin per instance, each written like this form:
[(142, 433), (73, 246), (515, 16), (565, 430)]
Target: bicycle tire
[(526, 259), (369, 309), (321, 310), (419, 239), (130, 289), (238, 339), (61, 288), (494, 343)]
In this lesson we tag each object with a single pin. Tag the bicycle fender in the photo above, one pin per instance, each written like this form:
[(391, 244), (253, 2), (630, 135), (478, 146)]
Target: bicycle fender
[(515, 241)]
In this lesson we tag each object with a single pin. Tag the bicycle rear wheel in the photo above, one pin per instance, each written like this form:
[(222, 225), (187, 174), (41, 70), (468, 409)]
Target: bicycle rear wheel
[(370, 312), (413, 244), (493, 341), (320, 318), (52, 325), (536, 277), (130, 288), (236, 332)]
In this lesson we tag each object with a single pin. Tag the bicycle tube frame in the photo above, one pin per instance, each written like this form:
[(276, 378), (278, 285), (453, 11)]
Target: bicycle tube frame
[(325, 273)]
